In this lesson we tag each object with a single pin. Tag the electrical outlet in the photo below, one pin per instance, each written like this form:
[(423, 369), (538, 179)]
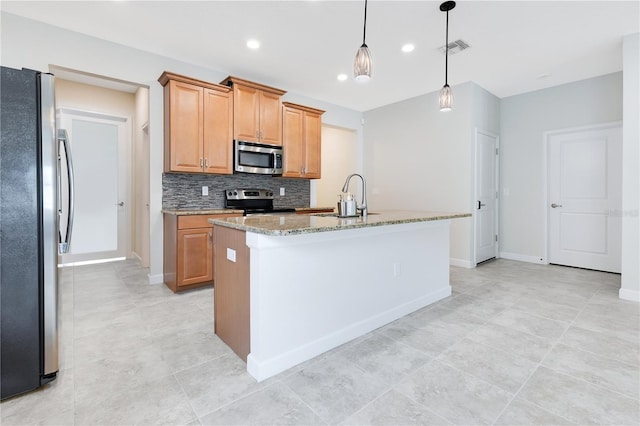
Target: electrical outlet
[(231, 254), (205, 191), (281, 191)]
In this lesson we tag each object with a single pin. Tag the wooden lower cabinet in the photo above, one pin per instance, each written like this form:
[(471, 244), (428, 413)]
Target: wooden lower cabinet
[(188, 251), (231, 301)]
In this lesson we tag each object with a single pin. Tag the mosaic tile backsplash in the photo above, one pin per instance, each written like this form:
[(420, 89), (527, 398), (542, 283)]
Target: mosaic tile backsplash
[(184, 191)]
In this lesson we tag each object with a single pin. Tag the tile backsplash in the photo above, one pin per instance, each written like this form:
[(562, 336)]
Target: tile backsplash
[(184, 190)]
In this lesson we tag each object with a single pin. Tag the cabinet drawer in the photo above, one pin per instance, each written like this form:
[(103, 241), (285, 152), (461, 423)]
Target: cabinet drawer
[(200, 220)]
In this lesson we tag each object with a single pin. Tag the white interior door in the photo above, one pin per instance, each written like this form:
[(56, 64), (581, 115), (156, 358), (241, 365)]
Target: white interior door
[(486, 208), (99, 144), (585, 198)]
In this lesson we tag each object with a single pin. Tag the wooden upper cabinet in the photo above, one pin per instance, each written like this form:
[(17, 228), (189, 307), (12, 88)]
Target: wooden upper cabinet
[(218, 132), (270, 118), (197, 126), (313, 144), (302, 141), (246, 113), (257, 111), (292, 136)]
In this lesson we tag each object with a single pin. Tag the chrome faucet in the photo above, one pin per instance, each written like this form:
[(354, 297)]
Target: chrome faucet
[(363, 205)]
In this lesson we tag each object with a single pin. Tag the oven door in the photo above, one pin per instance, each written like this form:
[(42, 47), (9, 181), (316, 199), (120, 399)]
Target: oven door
[(257, 158)]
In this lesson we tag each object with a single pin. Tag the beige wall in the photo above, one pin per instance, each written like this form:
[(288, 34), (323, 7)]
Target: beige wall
[(70, 94), (141, 177), (339, 159)]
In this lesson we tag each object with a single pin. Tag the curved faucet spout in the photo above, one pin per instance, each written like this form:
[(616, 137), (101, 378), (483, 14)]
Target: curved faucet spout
[(345, 188)]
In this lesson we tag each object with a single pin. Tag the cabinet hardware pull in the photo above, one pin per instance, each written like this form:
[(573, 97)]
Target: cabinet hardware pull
[(201, 163), (206, 163)]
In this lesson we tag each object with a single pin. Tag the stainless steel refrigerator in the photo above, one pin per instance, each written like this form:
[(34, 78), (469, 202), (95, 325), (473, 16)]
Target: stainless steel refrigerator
[(32, 153)]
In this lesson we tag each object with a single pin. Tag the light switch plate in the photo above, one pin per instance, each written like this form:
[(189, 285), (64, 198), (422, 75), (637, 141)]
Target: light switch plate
[(282, 191), (205, 191)]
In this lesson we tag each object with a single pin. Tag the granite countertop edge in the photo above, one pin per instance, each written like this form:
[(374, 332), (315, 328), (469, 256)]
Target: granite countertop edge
[(193, 212), (335, 226)]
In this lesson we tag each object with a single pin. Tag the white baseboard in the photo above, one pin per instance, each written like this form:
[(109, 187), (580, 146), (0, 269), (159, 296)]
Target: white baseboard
[(461, 263), (521, 257), (632, 295), (156, 279), (265, 368)]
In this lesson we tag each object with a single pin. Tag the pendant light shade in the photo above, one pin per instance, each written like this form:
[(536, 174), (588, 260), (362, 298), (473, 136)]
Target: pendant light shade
[(446, 97), (363, 63)]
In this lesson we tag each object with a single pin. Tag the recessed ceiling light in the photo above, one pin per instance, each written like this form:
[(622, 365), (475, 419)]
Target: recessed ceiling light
[(408, 48), (253, 44), (342, 77)]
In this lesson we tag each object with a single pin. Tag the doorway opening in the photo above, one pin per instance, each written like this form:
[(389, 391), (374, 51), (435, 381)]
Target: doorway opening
[(339, 160), (102, 104)]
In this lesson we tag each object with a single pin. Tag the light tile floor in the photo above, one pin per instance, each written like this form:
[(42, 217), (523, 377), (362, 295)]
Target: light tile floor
[(516, 344)]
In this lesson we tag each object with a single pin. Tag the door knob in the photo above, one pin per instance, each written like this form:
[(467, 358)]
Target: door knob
[(121, 203), (480, 205), (554, 205)]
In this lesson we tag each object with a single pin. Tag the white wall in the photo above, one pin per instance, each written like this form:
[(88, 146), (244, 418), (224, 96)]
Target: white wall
[(418, 158), (523, 121), (630, 288), (30, 44)]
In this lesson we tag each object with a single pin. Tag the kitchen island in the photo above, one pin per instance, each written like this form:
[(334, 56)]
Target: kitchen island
[(290, 287)]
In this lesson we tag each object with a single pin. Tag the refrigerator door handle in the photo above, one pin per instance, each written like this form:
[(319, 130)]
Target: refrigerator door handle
[(63, 138)]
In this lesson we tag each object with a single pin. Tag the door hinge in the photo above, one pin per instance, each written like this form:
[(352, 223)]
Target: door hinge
[(496, 238), (496, 151)]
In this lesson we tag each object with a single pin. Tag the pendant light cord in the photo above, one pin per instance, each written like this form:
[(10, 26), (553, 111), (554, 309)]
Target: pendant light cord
[(364, 33), (446, 53)]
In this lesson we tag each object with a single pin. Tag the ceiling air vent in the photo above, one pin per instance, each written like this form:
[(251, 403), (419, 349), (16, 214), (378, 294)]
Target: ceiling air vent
[(455, 47)]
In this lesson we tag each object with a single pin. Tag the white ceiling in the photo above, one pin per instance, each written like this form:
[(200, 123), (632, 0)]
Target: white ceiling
[(516, 46)]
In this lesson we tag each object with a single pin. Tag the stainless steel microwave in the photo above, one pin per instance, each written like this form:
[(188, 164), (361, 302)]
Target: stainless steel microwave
[(250, 157)]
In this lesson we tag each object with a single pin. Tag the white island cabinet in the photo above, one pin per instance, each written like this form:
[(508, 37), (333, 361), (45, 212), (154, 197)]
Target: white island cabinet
[(290, 287)]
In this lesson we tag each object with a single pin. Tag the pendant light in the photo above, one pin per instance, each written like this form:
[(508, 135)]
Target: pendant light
[(362, 63), (446, 97)]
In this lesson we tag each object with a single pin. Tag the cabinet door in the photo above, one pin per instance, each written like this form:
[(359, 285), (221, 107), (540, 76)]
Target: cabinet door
[(218, 132), (246, 107), (270, 118), (185, 127), (195, 256), (292, 140), (312, 146)]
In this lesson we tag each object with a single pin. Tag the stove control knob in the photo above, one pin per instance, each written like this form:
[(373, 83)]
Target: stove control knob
[(270, 194), (229, 193)]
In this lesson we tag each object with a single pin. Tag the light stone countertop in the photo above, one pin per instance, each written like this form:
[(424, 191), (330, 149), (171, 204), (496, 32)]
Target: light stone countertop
[(297, 224), (192, 212)]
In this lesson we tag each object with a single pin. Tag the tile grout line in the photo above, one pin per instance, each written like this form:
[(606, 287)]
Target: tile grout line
[(555, 343)]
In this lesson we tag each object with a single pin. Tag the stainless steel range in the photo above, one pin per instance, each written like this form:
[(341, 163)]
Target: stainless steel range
[(253, 201)]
